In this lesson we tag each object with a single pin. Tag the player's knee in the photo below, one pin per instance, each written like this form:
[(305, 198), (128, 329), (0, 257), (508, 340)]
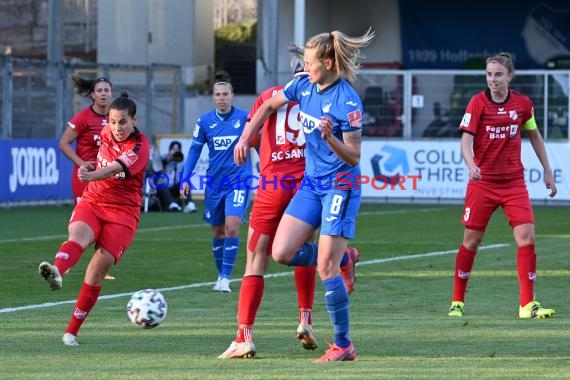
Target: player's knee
[(281, 255)]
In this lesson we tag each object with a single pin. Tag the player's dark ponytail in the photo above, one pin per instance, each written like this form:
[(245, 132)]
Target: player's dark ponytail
[(85, 87)]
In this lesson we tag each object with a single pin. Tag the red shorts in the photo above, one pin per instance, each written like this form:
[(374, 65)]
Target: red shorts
[(77, 187), (268, 208), (481, 200), (113, 227)]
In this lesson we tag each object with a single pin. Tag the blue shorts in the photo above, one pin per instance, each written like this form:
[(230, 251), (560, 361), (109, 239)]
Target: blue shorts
[(220, 204), (333, 209)]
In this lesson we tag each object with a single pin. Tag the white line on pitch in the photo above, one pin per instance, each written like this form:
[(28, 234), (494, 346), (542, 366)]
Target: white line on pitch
[(273, 275)]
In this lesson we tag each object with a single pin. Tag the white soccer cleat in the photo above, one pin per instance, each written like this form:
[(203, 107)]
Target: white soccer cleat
[(224, 285), (70, 340), (245, 350), (217, 284), (306, 336), (50, 273), (190, 207)]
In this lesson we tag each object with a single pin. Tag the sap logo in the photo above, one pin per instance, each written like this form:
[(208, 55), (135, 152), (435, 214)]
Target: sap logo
[(32, 167), (309, 122), (223, 142), (390, 164)]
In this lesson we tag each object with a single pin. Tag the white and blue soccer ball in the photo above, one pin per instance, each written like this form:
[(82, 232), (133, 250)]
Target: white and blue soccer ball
[(147, 308)]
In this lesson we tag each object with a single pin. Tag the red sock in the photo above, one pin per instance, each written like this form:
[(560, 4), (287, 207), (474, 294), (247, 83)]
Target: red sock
[(526, 268), (250, 294), (67, 256), (463, 266), (85, 301), (305, 283)]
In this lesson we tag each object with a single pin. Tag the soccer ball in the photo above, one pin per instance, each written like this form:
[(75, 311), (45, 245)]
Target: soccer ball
[(147, 308)]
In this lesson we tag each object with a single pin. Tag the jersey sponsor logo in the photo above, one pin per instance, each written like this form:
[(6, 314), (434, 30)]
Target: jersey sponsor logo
[(305, 93), (355, 118), (513, 115), (331, 218), (223, 142), (213, 125), (501, 111), (287, 154), (514, 129), (498, 132), (309, 122), (466, 120), (351, 103)]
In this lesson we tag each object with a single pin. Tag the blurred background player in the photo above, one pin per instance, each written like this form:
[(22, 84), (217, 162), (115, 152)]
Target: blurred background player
[(109, 212), (492, 153), (331, 115), (225, 198), (85, 127)]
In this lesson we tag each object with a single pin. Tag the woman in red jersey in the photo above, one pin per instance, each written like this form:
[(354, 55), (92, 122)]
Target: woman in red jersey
[(85, 127), (109, 211), (491, 148)]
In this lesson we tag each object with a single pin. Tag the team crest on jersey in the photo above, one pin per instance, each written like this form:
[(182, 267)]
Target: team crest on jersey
[(326, 107), (513, 114), (237, 124), (466, 120), (355, 118)]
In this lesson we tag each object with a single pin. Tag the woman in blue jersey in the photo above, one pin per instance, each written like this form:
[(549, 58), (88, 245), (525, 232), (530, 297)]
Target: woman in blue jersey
[(226, 197), (331, 114)]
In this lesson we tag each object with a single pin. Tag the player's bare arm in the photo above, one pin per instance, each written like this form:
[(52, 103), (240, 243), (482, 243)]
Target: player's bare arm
[(467, 153), (349, 151), (252, 128), (86, 175), (537, 143)]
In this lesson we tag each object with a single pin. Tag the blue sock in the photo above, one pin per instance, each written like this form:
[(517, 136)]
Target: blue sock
[(337, 303), (218, 251), (306, 256), (231, 249)]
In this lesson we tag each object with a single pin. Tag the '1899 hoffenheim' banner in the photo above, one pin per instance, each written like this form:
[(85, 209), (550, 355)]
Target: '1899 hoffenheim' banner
[(444, 34)]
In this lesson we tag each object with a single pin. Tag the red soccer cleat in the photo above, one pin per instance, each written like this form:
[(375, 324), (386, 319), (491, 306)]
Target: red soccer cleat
[(347, 271)]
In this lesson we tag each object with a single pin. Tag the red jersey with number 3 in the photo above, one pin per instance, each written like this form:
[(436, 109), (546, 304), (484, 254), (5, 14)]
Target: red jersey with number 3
[(282, 147), (87, 124), (496, 128), (125, 188)]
